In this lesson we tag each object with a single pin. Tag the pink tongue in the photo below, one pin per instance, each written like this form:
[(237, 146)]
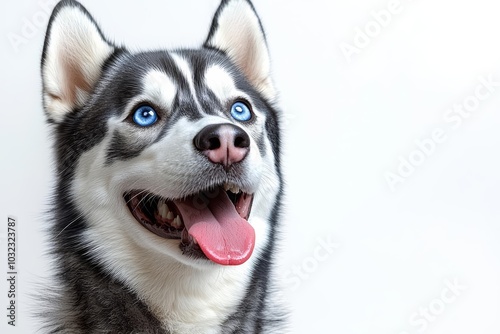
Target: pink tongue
[(223, 236)]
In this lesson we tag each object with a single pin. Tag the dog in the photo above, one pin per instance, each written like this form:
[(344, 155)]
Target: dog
[(166, 208)]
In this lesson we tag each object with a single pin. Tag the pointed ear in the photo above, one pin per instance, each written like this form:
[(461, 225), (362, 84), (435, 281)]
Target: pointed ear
[(73, 56), (237, 31)]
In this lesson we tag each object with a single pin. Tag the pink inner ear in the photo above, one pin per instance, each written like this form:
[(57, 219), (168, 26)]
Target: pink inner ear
[(74, 79)]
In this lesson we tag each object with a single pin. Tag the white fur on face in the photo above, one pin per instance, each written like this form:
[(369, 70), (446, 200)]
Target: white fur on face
[(220, 82), (158, 87), (193, 296), (73, 61)]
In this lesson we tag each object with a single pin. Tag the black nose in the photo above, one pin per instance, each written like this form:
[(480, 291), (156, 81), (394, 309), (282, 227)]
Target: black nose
[(224, 144)]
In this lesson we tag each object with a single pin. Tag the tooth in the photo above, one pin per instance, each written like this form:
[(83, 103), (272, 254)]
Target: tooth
[(235, 189), (226, 186), (170, 215), (162, 209), (177, 222)]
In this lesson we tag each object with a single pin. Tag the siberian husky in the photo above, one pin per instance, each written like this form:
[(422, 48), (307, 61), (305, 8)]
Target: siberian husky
[(167, 200)]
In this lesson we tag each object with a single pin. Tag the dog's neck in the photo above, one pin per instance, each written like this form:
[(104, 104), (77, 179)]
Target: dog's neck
[(188, 299)]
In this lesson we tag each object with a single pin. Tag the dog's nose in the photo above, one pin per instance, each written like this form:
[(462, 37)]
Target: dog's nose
[(224, 144)]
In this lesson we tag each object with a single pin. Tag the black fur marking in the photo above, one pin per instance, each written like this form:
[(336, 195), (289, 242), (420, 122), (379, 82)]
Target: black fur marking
[(119, 149)]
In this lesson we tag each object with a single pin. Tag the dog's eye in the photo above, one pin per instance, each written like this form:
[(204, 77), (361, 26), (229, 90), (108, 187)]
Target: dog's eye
[(145, 116), (241, 112)]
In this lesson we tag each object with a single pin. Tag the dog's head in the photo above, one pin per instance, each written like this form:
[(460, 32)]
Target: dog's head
[(170, 152)]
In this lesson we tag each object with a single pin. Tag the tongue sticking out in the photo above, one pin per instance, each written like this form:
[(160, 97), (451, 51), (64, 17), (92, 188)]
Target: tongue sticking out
[(223, 236)]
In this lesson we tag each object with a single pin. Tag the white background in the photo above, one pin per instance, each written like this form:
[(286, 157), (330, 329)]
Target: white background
[(347, 125)]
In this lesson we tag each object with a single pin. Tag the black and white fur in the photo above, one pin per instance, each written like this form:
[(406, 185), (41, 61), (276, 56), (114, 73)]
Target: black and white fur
[(113, 275)]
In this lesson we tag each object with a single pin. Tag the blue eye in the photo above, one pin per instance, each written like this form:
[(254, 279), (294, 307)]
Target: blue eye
[(241, 112), (145, 116)]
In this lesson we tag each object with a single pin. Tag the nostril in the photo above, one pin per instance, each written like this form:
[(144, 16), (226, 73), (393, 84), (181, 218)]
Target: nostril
[(213, 143), (242, 141), (207, 139)]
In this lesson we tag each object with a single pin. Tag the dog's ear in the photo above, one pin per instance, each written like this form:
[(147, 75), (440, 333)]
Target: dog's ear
[(72, 61), (237, 31)]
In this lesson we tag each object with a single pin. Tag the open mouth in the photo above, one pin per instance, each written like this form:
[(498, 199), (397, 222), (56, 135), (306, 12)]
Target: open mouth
[(211, 224)]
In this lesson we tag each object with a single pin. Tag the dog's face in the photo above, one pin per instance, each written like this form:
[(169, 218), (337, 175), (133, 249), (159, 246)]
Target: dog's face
[(166, 152)]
